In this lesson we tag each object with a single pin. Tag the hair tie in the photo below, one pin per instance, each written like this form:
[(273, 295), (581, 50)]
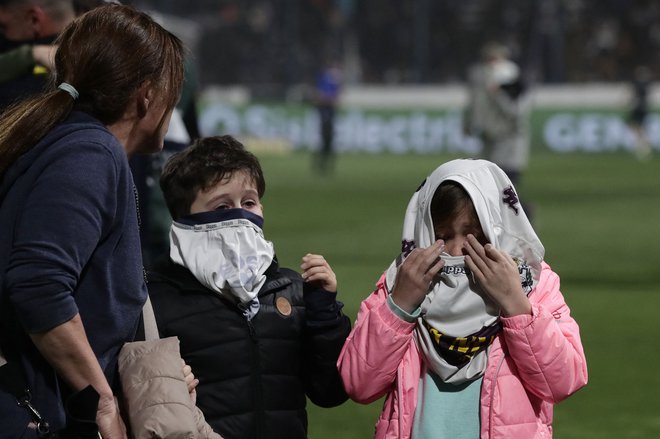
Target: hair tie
[(69, 89)]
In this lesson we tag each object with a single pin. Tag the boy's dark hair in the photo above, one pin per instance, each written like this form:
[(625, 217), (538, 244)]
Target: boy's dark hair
[(449, 200), (202, 165)]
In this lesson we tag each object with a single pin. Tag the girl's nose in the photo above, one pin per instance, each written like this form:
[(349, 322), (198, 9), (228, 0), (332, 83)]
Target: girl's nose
[(454, 247)]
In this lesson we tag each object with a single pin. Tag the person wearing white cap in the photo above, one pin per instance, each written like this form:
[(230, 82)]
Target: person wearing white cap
[(497, 110)]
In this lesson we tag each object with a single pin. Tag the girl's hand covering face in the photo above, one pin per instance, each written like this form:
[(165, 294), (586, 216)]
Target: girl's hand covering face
[(415, 275), (497, 273)]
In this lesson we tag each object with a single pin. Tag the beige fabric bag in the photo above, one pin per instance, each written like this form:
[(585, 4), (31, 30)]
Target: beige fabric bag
[(156, 399)]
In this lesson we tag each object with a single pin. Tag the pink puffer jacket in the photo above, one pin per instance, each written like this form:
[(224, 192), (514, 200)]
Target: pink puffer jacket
[(535, 362)]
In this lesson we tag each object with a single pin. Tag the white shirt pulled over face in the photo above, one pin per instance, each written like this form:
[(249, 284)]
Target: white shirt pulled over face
[(222, 242), (226, 252)]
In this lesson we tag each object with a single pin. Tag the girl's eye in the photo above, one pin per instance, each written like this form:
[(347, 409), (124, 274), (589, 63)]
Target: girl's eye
[(222, 207), (480, 237), (249, 203), (445, 236)]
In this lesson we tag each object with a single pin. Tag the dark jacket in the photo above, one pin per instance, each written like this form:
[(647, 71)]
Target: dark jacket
[(69, 244), (255, 375)]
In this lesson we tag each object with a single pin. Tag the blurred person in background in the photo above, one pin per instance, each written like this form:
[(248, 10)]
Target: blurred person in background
[(497, 111), (326, 98), (73, 285), (82, 6), (15, 62), (37, 58), (641, 83), (31, 22)]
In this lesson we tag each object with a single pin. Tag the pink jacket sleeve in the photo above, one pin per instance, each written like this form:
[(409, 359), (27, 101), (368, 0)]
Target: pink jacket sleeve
[(546, 346), (373, 351)]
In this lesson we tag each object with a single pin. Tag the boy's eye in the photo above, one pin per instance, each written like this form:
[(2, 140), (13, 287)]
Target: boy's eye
[(222, 207), (249, 203)]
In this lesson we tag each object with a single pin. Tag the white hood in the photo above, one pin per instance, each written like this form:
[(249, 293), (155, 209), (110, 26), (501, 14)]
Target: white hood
[(496, 202)]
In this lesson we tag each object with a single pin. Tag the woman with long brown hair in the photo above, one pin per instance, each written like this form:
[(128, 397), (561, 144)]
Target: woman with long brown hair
[(70, 264)]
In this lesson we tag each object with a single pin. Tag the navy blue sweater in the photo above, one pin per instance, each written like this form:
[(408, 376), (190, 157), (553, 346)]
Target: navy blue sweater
[(69, 244)]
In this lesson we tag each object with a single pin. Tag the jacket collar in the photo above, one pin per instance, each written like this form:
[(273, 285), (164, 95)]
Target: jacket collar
[(184, 280)]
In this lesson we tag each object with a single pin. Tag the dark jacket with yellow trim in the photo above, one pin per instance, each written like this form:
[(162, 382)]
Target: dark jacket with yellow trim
[(255, 375)]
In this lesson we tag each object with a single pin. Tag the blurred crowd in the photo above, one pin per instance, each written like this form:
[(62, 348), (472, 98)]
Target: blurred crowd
[(273, 43)]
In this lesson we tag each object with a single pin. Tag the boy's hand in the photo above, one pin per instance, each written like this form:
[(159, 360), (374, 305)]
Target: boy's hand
[(497, 273), (191, 381), (316, 270), (415, 275)]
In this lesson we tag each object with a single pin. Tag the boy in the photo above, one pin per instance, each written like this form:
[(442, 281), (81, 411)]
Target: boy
[(259, 337)]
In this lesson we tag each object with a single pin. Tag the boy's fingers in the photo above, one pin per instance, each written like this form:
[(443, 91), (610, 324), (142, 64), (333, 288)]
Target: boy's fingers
[(326, 278), (311, 256), (311, 271), (317, 277), (318, 274), (311, 260)]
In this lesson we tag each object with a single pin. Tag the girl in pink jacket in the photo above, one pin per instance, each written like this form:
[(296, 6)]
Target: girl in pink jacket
[(467, 333)]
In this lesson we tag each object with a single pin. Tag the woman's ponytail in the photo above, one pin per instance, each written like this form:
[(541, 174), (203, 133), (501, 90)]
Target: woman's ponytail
[(25, 123)]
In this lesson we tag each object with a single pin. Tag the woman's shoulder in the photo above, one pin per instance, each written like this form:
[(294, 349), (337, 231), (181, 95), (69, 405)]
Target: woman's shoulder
[(83, 129), (79, 137), (80, 147)]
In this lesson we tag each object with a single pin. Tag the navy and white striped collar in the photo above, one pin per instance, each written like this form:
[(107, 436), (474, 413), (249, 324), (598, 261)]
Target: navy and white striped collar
[(217, 216)]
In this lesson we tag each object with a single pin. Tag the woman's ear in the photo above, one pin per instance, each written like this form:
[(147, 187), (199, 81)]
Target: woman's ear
[(144, 97)]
